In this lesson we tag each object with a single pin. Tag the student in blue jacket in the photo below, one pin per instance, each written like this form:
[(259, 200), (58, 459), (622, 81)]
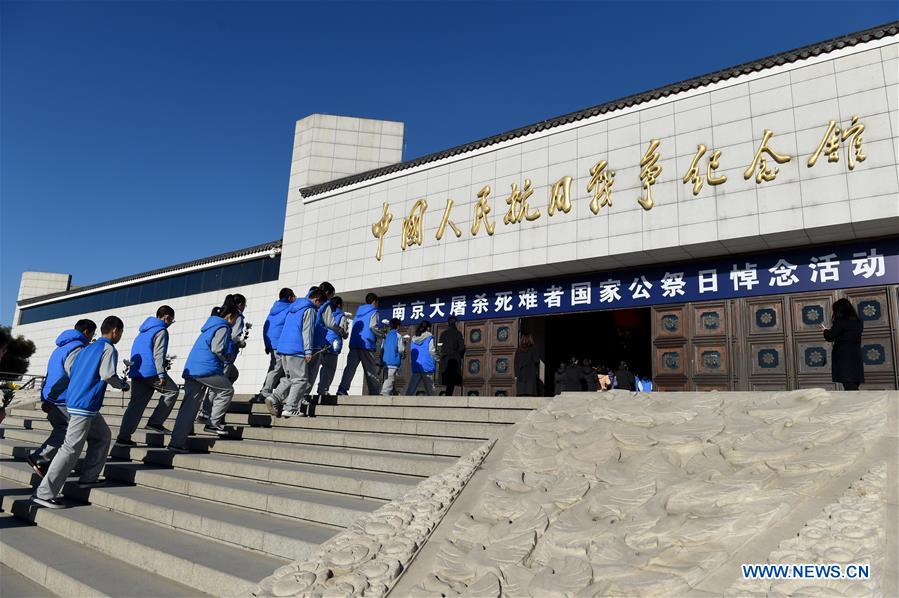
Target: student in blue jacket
[(326, 329), (296, 347), (271, 332), (392, 353), (204, 376), (93, 370), (238, 342), (423, 356), (148, 374), (364, 348), (59, 368), (333, 340)]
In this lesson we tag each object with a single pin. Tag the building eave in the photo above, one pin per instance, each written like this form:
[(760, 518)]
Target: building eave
[(782, 58)]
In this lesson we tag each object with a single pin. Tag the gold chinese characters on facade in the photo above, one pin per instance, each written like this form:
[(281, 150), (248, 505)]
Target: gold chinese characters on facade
[(702, 171), (694, 176)]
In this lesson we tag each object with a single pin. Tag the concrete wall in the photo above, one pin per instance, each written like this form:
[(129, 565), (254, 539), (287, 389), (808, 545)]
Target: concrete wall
[(329, 236), (35, 284), (329, 147)]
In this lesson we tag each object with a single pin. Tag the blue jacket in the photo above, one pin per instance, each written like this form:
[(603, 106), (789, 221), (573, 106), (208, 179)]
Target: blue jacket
[(274, 323), (57, 379), (333, 337), (86, 390), (643, 384), (361, 336), (390, 355), (202, 361), (422, 362), (291, 341), (142, 363)]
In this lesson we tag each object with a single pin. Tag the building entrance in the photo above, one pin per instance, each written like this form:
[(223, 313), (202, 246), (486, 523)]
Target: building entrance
[(601, 338)]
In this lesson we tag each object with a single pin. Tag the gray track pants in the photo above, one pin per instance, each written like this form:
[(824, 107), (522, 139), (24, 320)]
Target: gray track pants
[(389, 381), (59, 419), (96, 433), (428, 380), (326, 372), (297, 382), (274, 375), (231, 373), (370, 366), (217, 389), (141, 392)]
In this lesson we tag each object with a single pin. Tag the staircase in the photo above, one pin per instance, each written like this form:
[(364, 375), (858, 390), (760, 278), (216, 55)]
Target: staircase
[(218, 520)]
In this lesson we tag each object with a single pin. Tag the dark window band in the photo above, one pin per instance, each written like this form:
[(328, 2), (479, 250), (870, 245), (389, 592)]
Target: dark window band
[(218, 278)]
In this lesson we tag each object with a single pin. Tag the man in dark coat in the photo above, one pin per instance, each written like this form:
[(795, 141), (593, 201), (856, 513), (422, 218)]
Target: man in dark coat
[(452, 350), (527, 368), (626, 380)]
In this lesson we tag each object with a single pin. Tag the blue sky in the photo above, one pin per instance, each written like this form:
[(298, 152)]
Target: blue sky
[(140, 134)]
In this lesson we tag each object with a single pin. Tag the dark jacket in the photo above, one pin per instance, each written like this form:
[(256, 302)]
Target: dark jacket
[(451, 353), (590, 380), (527, 372), (626, 380), (573, 379), (846, 357)]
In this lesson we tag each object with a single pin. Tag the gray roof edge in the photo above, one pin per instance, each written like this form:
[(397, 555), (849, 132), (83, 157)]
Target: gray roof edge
[(247, 251), (790, 56)]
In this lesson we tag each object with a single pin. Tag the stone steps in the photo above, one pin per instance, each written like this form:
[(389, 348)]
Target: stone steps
[(334, 480), (527, 403), (65, 568), (210, 567), (418, 412), (383, 461), (407, 443), (259, 529), (15, 585), (380, 411), (261, 418), (223, 517)]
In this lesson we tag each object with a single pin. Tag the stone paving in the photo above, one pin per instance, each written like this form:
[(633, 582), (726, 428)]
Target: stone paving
[(665, 494), (852, 529)]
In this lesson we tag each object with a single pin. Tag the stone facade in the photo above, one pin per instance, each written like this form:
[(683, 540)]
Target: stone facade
[(328, 234), (801, 205)]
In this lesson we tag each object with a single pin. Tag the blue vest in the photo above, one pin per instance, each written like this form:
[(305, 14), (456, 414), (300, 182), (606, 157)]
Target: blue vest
[(202, 361), (84, 395), (390, 355), (320, 332), (643, 384), (361, 336), (291, 341), (422, 362), (57, 379), (333, 337), (274, 323), (142, 363)]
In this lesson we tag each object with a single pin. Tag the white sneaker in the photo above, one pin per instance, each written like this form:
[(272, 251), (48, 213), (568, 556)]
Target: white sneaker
[(291, 413), (50, 503)]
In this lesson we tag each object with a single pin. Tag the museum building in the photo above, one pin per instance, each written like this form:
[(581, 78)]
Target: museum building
[(700, 231)]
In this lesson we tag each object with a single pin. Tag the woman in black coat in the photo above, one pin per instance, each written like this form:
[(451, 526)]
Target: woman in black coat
[(452, 350), (527, 368), (846, 335)]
